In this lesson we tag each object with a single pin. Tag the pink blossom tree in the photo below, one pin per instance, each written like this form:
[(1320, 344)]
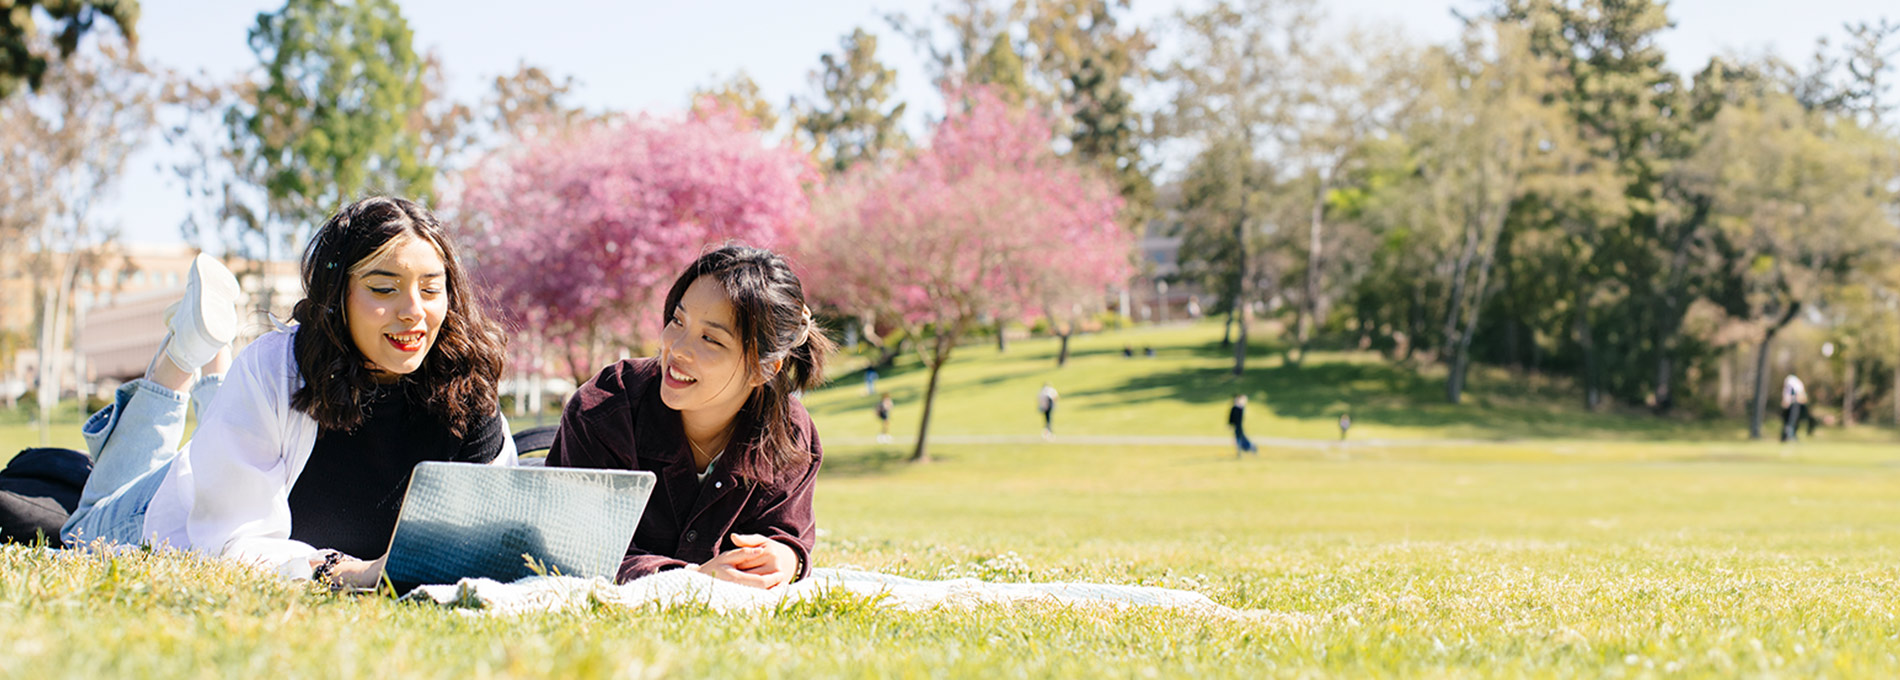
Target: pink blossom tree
[(577, 234), (985, 221)]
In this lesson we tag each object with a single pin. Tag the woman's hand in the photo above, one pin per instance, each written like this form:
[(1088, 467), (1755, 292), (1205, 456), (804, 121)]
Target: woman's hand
[(759, 562), (352, 573)]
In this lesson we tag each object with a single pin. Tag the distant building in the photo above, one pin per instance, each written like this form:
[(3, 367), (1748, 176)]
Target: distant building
[(1158, 291), (119, 313), (120, 329)]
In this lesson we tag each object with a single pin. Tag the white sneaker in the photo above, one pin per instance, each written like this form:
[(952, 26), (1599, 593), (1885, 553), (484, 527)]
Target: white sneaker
[(207, 319)]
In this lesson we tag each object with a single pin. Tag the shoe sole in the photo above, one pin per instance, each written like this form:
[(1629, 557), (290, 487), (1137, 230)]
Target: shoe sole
[(217, 299)]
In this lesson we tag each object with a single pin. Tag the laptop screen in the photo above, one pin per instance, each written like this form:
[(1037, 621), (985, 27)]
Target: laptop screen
[(468, 520)]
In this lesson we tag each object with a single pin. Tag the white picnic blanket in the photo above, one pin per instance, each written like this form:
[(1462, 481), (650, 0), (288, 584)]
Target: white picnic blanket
[(685, 587)]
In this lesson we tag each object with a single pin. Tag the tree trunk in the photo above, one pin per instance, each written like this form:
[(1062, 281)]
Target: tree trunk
[(1240, 347), (1414, 323), (53, 315), (1227, 329), (1847, 400), (1241, 297), (1309, 312), (1725, 381), (940, 354), (1761, 370), (1669, 309), (1512, 355), (1586, 341), (1660, 398), (1454, 304), (1761, 396), (1537, 351), (1062, 356), (1455, 382), (1002, 339), (867, 329)]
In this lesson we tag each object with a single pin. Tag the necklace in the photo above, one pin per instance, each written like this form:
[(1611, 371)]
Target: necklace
[(726, 435)]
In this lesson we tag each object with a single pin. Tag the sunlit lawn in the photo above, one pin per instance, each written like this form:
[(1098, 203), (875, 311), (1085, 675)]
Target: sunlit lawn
[(1185, 390), (1500, 560), (18, 430), (1583, 557)]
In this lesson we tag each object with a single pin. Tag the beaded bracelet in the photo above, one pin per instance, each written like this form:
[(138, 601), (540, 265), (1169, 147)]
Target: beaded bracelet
[(326, 572)]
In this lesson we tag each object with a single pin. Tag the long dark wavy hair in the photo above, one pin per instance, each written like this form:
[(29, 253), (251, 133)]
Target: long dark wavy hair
[(458, 378), (774, 326)]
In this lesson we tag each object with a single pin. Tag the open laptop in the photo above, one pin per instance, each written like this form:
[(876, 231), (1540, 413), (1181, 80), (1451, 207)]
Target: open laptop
[(484, 521)]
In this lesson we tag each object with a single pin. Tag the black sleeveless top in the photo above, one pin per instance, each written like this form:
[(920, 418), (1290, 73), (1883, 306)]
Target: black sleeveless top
[(351, 489)]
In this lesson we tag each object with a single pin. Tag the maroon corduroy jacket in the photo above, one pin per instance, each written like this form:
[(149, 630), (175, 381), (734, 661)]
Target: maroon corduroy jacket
[(617, 421)]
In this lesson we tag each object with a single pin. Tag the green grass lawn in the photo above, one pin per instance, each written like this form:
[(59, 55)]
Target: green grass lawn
[(18, 430), (1682, 552), (1186, 388)]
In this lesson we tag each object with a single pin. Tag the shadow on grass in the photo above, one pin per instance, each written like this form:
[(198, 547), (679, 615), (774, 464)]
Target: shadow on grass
[(1390, 394), (902, 396), (870, 462), (1039, 350)]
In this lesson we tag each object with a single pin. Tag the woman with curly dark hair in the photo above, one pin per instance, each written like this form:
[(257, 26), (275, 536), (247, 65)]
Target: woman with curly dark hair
[(715, 418), (304, 448)]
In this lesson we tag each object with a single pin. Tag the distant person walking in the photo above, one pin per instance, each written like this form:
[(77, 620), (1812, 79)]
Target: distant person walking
[(1237, 418), (1046, 403), (870, 380), (884, 405), (1794, 407), (1345, 423)]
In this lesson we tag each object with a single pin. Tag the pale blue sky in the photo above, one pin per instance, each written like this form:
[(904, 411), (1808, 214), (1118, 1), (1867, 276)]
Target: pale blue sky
[(647, 56)]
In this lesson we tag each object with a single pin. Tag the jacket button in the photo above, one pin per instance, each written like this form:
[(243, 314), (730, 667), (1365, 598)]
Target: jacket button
[(692, 535)]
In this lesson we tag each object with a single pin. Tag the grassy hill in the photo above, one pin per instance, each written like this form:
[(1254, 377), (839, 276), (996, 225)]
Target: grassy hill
[(1184, 390)]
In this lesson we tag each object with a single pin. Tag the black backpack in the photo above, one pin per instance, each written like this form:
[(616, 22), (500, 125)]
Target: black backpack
[(38, 490)]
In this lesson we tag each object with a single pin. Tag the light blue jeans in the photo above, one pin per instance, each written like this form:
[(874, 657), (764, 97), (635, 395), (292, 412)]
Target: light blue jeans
[(133, 442)]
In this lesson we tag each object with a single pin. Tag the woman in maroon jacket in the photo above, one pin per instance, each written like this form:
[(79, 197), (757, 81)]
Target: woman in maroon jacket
[(713, 417)]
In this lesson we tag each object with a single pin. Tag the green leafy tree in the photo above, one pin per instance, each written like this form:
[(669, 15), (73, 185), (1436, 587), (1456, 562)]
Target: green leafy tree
[(527, 104), (972, 30), (65, 146), (1075, 61), (1344, 92), (1623, 100), (1001, 67), (1203, 213), (740, 94), (1093, 62), (1493, 147), (226, 199), (1873, 61), (1227, 87), (1788, 195), (24, 58), (335, 116), (852, 119)]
